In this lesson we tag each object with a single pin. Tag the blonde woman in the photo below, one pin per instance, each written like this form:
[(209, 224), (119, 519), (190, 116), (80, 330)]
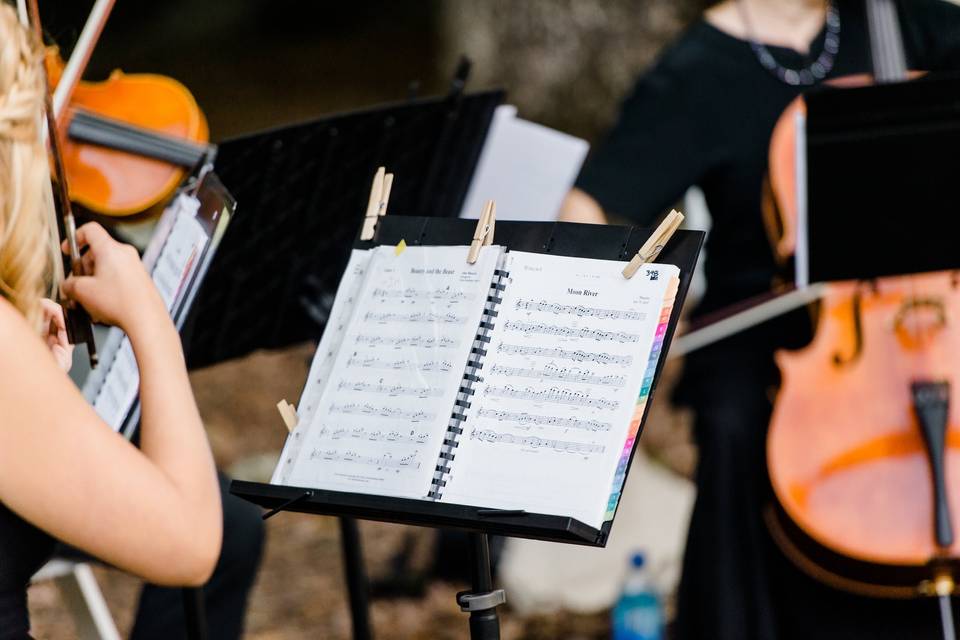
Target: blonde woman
[(64, 473)]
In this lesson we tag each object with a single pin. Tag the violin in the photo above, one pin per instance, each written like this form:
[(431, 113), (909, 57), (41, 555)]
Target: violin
[(129, 140), (863, 446)]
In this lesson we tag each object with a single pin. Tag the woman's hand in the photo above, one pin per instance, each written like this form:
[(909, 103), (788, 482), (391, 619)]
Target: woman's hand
[(56, 334), (117, 290)]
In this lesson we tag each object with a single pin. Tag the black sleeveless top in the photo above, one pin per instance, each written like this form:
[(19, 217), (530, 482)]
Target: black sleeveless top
[(23, 550)]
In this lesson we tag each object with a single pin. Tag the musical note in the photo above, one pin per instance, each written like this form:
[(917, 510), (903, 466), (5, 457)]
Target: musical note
[(550, 421), (384, 461), (382, 412), (552, 372), (570, 332), (566, 354), (563, 446), (578, 310), (374, 362), (389, 389), (428, 342), (427, 317), (442, 293), (553, 395)]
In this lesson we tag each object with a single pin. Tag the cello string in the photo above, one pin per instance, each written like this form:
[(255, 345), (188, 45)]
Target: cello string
[(946, 618)]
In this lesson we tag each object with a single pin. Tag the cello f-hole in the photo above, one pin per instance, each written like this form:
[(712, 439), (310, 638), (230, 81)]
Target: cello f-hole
[(839, 359)]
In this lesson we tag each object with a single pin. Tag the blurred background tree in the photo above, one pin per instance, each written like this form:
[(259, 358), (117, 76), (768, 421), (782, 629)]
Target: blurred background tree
[(252, 64)]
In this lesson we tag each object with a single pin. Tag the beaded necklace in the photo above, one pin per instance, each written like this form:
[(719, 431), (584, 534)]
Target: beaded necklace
[(810, 75)]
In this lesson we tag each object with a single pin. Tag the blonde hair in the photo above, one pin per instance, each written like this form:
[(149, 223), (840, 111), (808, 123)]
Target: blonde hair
[(28, 261)]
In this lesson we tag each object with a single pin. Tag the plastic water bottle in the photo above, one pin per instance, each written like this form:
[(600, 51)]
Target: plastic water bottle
[(638, 615)]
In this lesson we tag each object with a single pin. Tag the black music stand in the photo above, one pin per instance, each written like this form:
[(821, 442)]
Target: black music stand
[(879, 160), (581, 240), (302, 191)]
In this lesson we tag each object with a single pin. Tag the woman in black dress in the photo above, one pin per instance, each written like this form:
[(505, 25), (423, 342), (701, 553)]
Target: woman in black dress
[(64, 473), (703, 115)]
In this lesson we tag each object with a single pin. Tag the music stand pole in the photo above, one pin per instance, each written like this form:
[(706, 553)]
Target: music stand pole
[(482, 601), (356, 576)]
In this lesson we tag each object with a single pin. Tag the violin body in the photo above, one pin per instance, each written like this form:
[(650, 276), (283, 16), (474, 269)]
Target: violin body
[(119, 183), (847, 458)]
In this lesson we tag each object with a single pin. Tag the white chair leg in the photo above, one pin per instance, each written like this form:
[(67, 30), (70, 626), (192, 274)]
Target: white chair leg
[(82, 597)]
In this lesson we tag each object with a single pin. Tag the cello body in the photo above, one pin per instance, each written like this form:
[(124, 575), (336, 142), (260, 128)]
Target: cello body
[(848, 462)]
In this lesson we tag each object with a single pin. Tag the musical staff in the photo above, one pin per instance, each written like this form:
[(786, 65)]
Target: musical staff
[(382, 412), (563, 446), (578, 310), (553, 372), (374, 435), (550, 421), (389, 389), (552, 395), (374, 362), (565, 354), (570, 332), (410, 293), (421, 317), (386, 461), (416, 342)]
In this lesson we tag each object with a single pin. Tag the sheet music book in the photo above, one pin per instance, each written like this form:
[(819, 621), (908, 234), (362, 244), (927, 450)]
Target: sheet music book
[(518, 382), (177, 257)]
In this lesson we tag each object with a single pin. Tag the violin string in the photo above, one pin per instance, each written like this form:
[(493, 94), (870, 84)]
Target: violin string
[(157, 139), (185, 151)]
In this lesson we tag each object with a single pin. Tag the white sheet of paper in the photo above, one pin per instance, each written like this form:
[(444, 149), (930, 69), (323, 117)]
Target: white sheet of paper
[(526, 167), (551, 413), (383, 415), (324, 358), (115, 384)]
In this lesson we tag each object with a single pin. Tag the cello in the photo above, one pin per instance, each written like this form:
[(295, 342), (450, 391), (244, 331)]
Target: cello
[(863, 448)]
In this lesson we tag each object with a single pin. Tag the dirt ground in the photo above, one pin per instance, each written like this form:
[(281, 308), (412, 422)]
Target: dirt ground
[(300, 591)]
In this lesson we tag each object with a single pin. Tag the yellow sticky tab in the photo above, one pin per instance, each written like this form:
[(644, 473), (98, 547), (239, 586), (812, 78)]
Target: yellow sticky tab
[(400, 247)]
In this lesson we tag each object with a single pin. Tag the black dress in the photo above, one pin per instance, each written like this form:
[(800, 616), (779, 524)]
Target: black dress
[(703, 116), (23, 550)]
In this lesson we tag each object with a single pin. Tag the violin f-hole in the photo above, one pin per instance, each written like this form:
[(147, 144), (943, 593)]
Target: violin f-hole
[(839, 359)]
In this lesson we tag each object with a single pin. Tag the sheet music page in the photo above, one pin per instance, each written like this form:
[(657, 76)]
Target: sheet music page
[(115, 389), (384, 412), (569, 354), (323, 359), (548, 160)]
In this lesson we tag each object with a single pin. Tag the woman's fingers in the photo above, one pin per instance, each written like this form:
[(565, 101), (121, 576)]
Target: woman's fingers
[(91, 234), (53, 313)]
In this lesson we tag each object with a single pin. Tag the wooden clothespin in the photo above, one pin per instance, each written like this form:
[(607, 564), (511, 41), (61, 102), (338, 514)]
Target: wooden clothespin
[(289, 414), (655, 243), (484, 233), (377, 204), (492, 222)]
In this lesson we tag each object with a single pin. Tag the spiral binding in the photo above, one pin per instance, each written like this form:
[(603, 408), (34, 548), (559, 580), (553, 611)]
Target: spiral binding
[(441, 473)]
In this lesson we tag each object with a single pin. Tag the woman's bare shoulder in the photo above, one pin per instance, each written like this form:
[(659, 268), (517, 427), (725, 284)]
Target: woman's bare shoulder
[(21, 342)]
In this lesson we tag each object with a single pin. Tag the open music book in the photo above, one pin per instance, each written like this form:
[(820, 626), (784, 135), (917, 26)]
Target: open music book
[(518, 382), (180, 251)]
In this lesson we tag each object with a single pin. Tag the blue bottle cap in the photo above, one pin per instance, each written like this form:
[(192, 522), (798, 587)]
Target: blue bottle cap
[(637, 560)]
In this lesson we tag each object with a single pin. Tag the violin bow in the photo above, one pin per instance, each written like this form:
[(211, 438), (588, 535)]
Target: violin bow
[(77, 320)]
